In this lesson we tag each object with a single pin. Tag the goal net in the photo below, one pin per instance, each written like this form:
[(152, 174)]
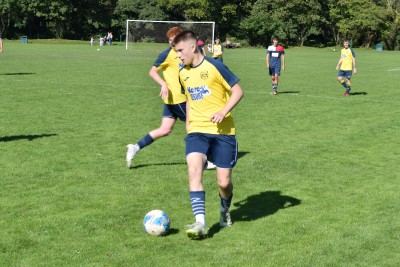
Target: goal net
[(153, 31)]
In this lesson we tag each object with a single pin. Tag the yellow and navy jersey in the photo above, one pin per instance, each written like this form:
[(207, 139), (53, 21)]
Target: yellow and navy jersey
[(168, 62), (347, 55), (218, 50), (207, 87)]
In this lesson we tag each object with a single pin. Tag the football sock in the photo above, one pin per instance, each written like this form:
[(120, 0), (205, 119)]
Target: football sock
[(348, 89), (274, 86), (145, 141), (197, 200), (343, 83), (225, 203)]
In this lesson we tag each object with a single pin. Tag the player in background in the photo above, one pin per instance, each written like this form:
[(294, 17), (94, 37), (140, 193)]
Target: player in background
[(212, 91), (200, 44), (346, 65), (171, 93), (218, 50), (275, 62)]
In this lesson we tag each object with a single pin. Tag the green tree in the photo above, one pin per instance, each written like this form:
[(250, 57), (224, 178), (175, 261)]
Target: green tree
[(301, 19), (391, 32), (11, 17), (292, 20), (195, 10), (360, 20), (55, 13), (262, 23), (137, 9), (228, 14)]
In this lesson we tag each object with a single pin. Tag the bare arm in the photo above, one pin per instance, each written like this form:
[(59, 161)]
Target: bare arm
[(267, 60), (283, 61), (354, 65), (338, 64), (158, 79), (187, 115), (236, 95)]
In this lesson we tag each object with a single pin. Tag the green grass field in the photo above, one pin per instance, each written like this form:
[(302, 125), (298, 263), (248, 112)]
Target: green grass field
[(317, 182)]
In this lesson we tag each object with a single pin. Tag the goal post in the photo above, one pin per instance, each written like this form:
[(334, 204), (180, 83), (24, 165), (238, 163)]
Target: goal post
[(153, 31)]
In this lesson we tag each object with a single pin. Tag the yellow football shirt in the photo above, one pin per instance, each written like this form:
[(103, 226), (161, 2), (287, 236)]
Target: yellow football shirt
[(217, 51), (207, 87), (168, 62), (347, 56)]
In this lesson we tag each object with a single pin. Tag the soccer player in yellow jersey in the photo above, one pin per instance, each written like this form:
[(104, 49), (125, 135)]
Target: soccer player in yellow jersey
[(212, 91), (174, 102), (346, 66), (218, 50), (171, 93)]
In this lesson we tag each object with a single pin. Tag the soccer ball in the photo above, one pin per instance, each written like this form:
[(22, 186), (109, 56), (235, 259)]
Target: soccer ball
[(156, 222)]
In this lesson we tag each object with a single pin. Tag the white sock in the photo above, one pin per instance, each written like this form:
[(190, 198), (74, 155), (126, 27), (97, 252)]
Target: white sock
[(201, 218)]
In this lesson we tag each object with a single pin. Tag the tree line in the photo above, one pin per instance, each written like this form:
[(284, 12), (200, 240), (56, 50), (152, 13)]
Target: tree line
[(296, 22)]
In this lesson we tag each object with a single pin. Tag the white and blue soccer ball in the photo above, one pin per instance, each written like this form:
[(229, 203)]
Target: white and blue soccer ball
[(156, 222)]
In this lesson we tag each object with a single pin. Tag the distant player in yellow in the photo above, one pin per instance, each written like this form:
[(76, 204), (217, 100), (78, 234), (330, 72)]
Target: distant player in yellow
[(212, 91), (346, 66), (218, 50)]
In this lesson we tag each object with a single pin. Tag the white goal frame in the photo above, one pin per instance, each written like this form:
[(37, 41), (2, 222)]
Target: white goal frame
[(166, 21)]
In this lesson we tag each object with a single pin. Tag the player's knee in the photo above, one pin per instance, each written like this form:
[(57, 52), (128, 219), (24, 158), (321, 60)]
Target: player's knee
[(194, 173), (225, 184), (164, 131)]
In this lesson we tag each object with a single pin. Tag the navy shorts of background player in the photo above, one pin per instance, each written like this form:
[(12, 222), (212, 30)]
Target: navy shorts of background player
[(345, 73), (177, 111), (274, 70)]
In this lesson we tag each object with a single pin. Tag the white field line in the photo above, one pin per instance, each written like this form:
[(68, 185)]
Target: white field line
[(329, 97), (394, 69)]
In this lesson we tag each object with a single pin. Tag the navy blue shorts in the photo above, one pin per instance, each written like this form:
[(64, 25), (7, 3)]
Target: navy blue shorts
[(175, 111), (345, 73), (274, 70), (221, 148)]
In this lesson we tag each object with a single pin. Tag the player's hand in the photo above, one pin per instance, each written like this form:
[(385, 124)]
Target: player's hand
[(164, 92), (355, 70), (337, 67), (217, 117), (283, 67)]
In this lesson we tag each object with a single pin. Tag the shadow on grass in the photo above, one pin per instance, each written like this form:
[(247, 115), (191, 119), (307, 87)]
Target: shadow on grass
[(27, 137), (288, 92), (240, 154), (258, 206), (359, 93), (17, 73), (172, 231), (158, 164)]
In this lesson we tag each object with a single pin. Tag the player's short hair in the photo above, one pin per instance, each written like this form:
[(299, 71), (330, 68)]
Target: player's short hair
[(174, 31), (275, 38), (345, 40), (185, 36)]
